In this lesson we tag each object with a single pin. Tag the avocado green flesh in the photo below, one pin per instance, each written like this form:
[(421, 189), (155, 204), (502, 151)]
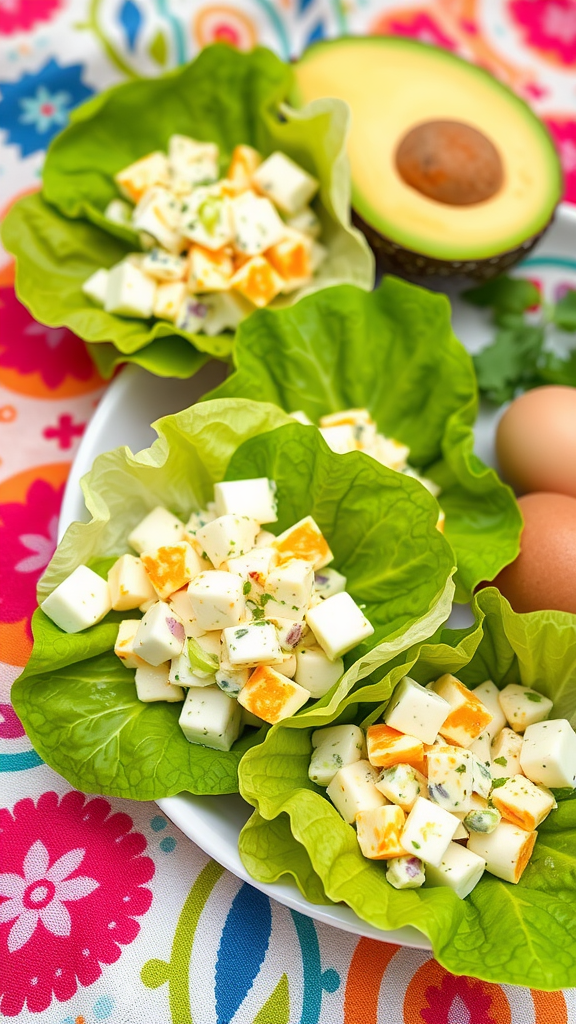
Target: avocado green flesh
[(391, 84)]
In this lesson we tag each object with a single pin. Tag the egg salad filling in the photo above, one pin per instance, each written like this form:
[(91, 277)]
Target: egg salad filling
[(214, 248), (354, 430), (242, 626), (451, 783)]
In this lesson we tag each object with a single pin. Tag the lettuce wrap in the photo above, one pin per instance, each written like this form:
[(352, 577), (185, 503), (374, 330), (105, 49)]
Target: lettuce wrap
[(393, 352), (61, 236), (78, 702), (522, 934)]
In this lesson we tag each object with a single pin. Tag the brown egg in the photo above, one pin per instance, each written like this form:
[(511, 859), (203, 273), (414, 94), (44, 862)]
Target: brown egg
[(544, 574), (536, 441)]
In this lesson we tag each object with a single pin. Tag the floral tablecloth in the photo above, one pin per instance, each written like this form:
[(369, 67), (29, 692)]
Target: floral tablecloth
[(106, 911)]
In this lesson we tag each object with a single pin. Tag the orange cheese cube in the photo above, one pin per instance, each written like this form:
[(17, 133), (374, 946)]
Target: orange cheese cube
[(257, 281), (209, 271), (291, 256), (379, 830), (272, 696), (170, 568), (469, 716), (387, 746), (306, 541), (244, 162)]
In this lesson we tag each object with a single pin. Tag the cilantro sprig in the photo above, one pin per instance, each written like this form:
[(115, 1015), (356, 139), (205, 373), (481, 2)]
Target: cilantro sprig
[(518, 358)]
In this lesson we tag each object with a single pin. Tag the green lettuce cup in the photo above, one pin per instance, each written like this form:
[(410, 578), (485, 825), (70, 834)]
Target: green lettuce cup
[(60, 237), (522, 934), (393, 352), (77, 701)]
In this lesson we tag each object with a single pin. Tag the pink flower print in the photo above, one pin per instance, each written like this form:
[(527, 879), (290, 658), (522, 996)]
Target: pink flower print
[(422, 27), (458, 1001), (72, 883), (10, 725), (42, 893), (29, 347), (21, 15), (549, 26), (27, 542), (563, 132)]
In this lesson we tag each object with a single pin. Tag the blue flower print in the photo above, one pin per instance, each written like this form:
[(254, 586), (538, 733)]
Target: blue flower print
[(34, 109)]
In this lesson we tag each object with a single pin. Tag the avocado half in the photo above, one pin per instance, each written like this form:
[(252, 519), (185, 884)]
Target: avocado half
[(452, 173)]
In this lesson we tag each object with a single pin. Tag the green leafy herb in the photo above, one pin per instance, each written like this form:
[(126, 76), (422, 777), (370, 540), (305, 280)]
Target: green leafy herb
[(535, 697), (519, 358), (461, 768), (496, 783), (247, 587), (502, 761), (392, 351)]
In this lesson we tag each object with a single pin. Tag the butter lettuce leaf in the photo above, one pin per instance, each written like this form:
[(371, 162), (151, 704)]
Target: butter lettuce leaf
[(78, 702), (519, 935), (393, 352), (223, 95)]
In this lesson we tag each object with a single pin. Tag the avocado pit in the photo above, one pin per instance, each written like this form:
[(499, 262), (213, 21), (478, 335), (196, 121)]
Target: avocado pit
[(450, 162)]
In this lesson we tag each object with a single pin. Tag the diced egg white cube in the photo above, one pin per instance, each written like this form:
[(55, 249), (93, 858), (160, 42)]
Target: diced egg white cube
[(469, 716), (416, 710), (255, 498), (191, 163), (158, 214), (192, 315), (96, 286), (292, 634), (224, 311), (548, 754), (272, 696), (387, 747), (506, 754), (168, 300), (129, 584), (217, 599), (290, 587), (328, 582), (481, 775), (338, 624), (129, 292), (257, 281), (460, 869), (206, 218), (180, 603), (317, 672), (136, 179), (405, 872), (211, 718), (287, 184), (231, 681), (247, 644), (450, 778), (119, 212), (506, 850), (482, 748), (288, 666), (254, 566), (124, 646), (81, 600), (156, 530), (379, 830), (302, 418), (306, 221), (334, 747), (226, 537), (160, 635), (353, 790), (523, 706), (402, 784), (153, 684), (428, 831), (489, 695), (209, 271), (245, 160), (199, 519), (256, 224), (461, 832), (389, 452), (340, 438), (523, 802), (164, 266)]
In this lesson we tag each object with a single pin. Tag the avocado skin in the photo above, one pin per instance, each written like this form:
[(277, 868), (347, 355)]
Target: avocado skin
[(392, 258)]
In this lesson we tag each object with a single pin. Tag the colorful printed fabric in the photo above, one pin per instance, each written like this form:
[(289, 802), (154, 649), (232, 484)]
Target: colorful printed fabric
[(108, 913)]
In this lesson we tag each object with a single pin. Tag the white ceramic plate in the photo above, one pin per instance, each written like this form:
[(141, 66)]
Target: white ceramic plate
[(135, 399)]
